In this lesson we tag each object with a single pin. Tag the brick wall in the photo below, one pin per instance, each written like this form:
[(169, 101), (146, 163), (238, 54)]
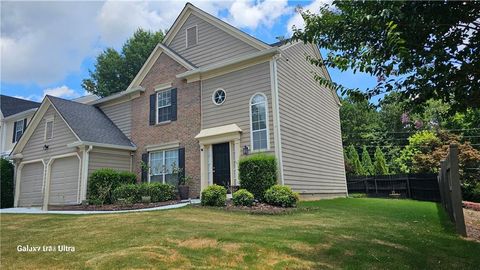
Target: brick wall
[(188, 122)]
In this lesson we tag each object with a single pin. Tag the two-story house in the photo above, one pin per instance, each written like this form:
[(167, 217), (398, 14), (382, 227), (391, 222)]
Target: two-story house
[(15, 114), (205, 97)]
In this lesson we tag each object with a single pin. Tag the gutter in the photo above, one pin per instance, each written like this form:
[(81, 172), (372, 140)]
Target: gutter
[(229, 62), (19, 114), (117, 95), (106, 145)]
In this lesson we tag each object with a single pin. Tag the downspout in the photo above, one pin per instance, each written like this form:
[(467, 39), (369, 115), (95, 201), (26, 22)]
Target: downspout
[(276, 116), (85, 163)]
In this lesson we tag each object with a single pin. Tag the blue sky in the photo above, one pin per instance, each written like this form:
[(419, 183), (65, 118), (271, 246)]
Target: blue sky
[(48, 47)]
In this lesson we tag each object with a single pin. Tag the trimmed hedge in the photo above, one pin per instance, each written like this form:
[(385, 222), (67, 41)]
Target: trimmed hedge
[(6, 178), (133, 193), (282, 196), (242, 198), (102, 182), (258, 173), (214, 195)]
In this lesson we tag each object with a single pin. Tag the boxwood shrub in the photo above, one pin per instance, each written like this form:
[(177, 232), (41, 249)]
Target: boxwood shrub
[(133, 193), (214, 195), (102, 182), (258, 173), (242, 198), (282, 196)]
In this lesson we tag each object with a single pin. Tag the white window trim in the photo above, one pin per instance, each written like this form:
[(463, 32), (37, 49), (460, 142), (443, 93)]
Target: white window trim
[(23, 129), (267, 123), (213, 96), (196, 36), (163, 158), (48, 120), (157, 107)]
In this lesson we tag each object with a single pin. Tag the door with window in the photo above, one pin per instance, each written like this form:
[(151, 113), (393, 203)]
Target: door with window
[(221, 164)]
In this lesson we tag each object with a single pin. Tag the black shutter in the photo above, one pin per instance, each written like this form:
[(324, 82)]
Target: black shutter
[(145, 168), (181, 161), (14, 128), (173, 95), (24, 125), (153, 112)]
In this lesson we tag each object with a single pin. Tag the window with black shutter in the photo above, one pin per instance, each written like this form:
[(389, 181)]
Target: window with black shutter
[(163, 106)]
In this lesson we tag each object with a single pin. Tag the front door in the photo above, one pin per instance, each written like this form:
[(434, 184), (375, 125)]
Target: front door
[(221, 164)]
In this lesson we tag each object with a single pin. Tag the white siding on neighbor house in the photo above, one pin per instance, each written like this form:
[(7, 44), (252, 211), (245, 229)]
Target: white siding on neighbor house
[(310, 126), (239, 86), (62, 135), (213, 45), (109, 158), (121, 115), (8, 125)]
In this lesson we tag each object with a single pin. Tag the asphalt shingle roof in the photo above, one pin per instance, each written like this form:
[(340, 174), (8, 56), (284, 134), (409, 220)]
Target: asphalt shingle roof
[(89, 122), (11, 105)]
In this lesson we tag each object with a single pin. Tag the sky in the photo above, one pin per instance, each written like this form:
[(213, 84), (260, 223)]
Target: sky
[(49, 47)]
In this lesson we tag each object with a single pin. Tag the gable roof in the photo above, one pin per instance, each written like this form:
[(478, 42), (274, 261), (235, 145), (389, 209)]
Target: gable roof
[(159, 49), (89, 123), (189, 9), (12, 105)]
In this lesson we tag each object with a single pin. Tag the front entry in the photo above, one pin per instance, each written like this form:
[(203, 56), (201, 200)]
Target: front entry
[(221, 164)]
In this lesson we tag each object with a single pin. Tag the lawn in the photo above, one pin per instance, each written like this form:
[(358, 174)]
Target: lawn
[(340, 233)]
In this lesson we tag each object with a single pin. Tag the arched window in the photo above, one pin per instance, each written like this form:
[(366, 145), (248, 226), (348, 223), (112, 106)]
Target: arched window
[(259, 122)]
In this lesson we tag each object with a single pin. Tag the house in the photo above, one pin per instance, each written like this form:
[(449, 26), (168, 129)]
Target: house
[(205, 97), (15, 114)]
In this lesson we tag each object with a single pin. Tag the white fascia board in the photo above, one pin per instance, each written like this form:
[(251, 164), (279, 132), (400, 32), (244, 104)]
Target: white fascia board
[(106, 145)]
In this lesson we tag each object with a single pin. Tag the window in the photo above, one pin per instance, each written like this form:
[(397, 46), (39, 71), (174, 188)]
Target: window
[(162, 164), (18, 132), (164, 106), (259, 119), (48, 129), (219, 96), (192, 36)]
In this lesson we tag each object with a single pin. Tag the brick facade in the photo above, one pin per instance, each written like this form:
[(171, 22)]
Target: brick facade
[(188, 122)]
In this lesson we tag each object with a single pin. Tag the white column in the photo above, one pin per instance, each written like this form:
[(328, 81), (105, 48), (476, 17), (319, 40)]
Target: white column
[(236, 162), (203, 168)]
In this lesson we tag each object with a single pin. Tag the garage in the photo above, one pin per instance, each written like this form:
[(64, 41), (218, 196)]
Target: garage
[(64, 181), (31, 185)]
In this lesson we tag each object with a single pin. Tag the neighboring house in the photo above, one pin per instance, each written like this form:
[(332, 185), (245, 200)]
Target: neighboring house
[(14, 117), (207, 96)]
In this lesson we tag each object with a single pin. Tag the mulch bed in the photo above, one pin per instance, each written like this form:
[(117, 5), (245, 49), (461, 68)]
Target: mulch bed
[(110, 207), (471, 205), (258, 208)]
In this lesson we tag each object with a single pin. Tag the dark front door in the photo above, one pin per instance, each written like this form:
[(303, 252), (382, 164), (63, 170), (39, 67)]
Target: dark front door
[(221, 164)]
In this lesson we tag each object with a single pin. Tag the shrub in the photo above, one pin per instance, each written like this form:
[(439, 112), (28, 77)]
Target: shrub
[(6, 178), (243, 197), (258, 173), (102, 182), (281, 196), (129, 192), (214, 195), (158, 192)]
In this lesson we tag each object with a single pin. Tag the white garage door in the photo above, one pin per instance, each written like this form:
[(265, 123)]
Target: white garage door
[(64, 180), (31, 184)]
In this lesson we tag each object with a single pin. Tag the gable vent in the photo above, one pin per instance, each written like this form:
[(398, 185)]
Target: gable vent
[(192, 38)]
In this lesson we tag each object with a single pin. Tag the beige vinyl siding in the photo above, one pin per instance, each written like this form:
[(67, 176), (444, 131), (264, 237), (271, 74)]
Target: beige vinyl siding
[(239, 86), (121, 115), (62, 135), (109, 158), (213, 44), (309, 125)]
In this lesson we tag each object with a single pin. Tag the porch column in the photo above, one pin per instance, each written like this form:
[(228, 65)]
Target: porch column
[(203, 167), (236, 161)]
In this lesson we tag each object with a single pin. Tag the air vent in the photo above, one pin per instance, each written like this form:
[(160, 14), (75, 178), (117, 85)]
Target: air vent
[(192, 36)]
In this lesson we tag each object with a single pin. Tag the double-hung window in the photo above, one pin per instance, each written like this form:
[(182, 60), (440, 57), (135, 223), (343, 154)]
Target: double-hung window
[(259, 127), (162, 166), (164, 106), (19, 127)]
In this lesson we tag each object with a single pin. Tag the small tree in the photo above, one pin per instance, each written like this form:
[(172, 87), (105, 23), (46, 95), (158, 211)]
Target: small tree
[(380, 162), (6, 178), (367, 162), (355, 160)]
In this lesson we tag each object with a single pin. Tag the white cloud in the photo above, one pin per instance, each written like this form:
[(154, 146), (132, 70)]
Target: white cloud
[(297, 20), (61, 91), (251, 14)]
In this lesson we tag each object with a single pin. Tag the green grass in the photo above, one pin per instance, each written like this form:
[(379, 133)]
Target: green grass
[(340, 233)]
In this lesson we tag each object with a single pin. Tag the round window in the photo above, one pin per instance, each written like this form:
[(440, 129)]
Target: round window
[(219, 96)]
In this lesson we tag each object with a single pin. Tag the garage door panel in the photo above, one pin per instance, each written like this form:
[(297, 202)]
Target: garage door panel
[(31, 185), (64, 181)]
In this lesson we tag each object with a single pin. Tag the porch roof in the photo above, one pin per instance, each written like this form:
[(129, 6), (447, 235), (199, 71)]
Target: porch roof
[(217, 131)]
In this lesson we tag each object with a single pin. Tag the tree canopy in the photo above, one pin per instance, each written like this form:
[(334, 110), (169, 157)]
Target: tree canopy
[(114, 70), (423, 49)]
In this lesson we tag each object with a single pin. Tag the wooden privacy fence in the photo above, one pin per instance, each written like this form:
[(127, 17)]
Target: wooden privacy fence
[(450, 192), (422, 187)]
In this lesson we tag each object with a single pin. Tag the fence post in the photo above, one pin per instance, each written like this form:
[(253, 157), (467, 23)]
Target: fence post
[(365, 182), (456, 191), (376, 188), (408, 187)]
